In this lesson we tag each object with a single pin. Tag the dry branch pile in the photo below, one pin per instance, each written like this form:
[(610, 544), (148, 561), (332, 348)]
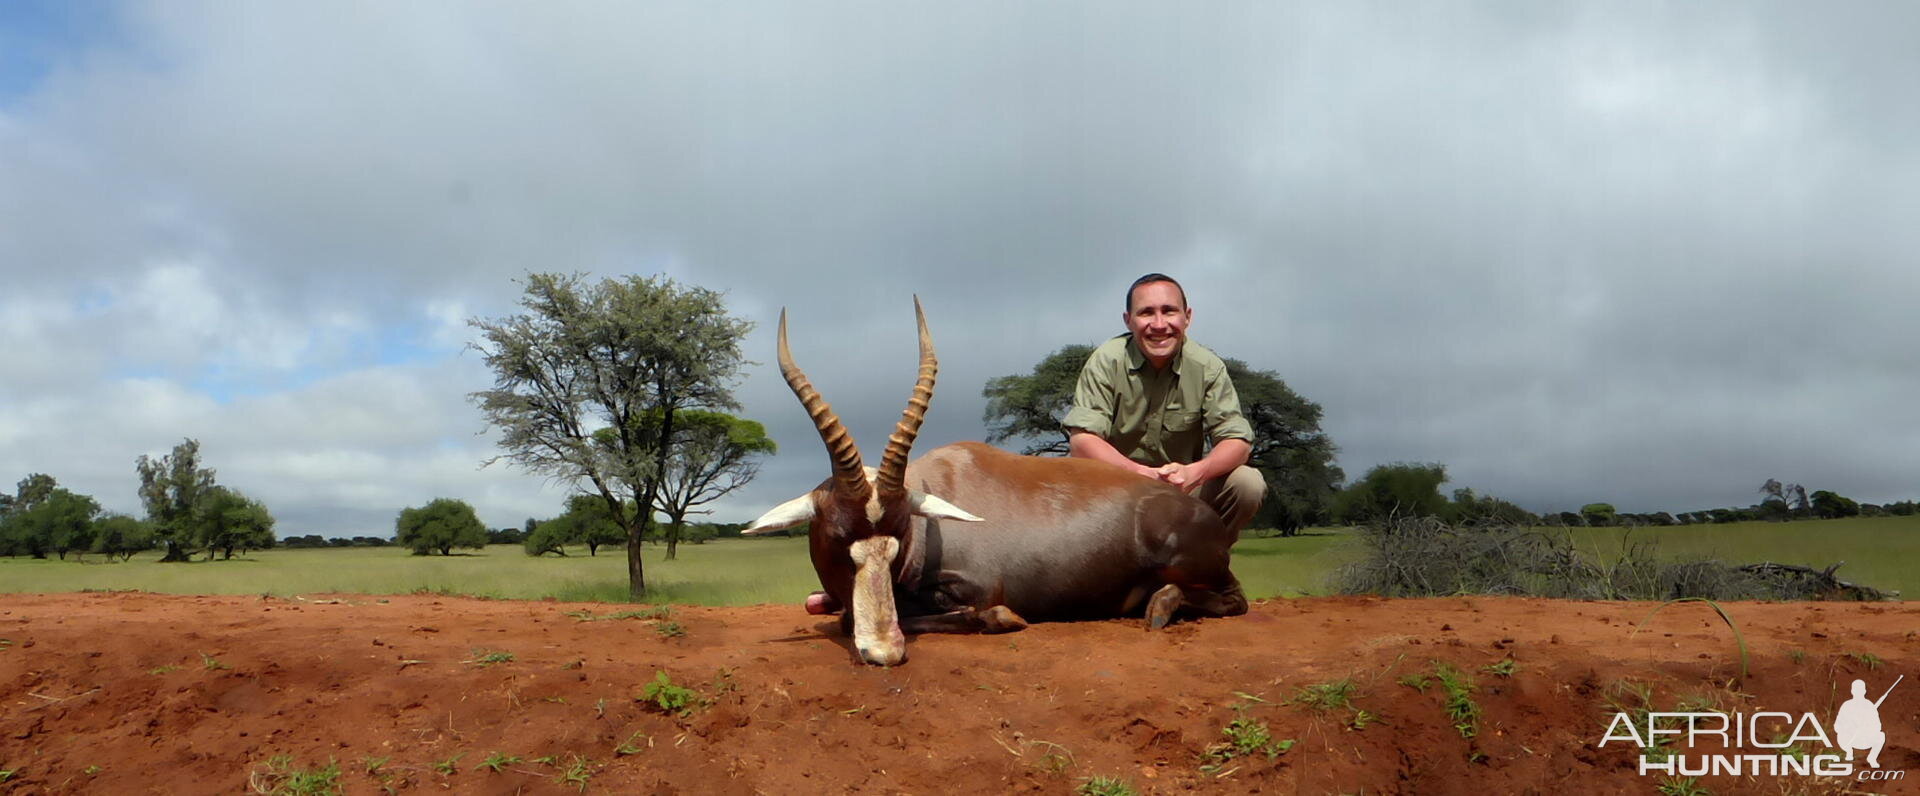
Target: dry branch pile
[(1425, 557)]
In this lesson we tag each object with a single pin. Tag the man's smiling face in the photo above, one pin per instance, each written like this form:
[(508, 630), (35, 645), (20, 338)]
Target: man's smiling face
[(1158, 316)]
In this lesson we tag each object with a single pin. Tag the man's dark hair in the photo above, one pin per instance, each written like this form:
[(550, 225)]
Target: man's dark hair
[(1150, 279)]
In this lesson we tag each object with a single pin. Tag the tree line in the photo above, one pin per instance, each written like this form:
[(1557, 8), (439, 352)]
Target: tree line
[(1305, 485), (1403, 490), (187, 513)]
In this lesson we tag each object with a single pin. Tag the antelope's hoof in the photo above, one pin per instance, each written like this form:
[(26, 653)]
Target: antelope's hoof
[(1001, 619), (1160, 609)]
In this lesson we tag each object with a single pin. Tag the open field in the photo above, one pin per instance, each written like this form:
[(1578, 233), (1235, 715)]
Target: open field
[(1883, 552), (1880, 552), (728, 572), (720, 572)]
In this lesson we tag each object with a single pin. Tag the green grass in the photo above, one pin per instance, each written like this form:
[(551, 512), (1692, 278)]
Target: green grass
[(721, 572), (578, 772), (1322, 697), (671, 698), (1460, 705), (1673, 786), (497, 762), (1105, 786), (1291, 566), (279, 777), (485, 658), (1883, 552)]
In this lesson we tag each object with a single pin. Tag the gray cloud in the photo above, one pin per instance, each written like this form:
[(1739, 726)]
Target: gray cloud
[(1651, 255)]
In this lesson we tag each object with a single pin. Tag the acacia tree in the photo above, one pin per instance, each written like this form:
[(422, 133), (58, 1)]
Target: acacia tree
[(228, 520), (121, 535), (172, 488), (442, 525), (1599, 515), (1784, 500), (713, 454), (15, 535), (1828, 505), (1393, 490), (49, 519), (1030, 406), (66, 520), (551, 537), (590, 357), (1289, 448), (586, 521)]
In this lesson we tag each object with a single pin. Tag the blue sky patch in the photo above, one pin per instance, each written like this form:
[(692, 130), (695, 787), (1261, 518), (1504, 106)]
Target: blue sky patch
[(36, 35)]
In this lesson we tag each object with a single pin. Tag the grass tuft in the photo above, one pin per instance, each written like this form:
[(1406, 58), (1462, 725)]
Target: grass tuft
[(1738, 640), (1690, 786), (633, 745), (279, 777), (485, 658), (1245, 737), (1461, 709), (668, 697), (578, 771), (1105, 786), (1323, 697), (495, 762)]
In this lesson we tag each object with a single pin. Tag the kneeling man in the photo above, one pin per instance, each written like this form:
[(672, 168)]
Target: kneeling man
[(1151, 401)]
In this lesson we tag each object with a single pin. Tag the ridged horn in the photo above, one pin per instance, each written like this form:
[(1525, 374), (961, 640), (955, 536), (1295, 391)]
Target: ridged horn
[(849, 474), (893, 466)]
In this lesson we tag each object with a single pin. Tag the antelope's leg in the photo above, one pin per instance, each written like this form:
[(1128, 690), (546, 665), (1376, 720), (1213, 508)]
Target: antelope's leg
[(1198, 580), (1203, 600), (1163, 605), (993, 619)]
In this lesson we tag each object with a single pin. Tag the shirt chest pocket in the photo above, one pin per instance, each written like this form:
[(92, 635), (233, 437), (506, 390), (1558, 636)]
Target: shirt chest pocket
[(1178, 421)]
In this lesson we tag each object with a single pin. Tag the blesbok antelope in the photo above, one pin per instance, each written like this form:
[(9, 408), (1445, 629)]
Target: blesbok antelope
[(971, 539)]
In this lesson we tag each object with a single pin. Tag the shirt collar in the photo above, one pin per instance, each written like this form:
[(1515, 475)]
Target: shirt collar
[(1137, 360)]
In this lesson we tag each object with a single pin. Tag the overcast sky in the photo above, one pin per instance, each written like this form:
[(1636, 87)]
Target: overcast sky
[(1650, 254)]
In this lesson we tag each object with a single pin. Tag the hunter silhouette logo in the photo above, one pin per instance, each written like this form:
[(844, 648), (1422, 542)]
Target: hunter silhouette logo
[(1857, 728)]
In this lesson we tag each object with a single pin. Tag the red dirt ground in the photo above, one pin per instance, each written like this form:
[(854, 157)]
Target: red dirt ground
[(113, 693)]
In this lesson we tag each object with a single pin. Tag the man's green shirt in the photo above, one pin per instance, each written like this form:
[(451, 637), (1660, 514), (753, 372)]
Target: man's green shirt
[(1157, 416)]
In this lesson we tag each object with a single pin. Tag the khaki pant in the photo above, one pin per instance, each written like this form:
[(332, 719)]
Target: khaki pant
[(1235, 497)]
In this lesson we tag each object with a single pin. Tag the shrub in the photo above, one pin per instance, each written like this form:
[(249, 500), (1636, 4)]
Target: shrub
[(1409, 557)]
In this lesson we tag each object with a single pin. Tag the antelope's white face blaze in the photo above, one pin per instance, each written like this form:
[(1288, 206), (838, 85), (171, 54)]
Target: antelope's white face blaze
[(876, 623)]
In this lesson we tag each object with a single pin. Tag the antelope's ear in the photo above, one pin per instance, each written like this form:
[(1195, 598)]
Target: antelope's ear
[(927, 505), (786, 515)]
